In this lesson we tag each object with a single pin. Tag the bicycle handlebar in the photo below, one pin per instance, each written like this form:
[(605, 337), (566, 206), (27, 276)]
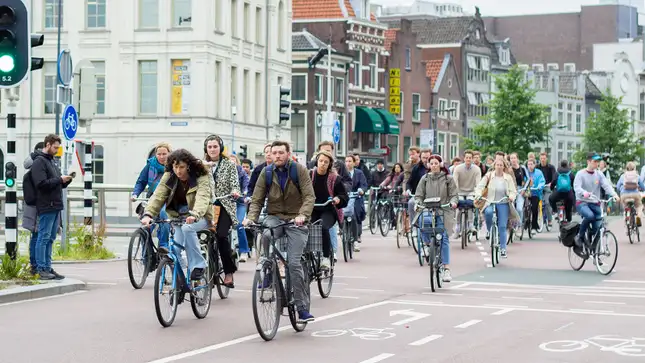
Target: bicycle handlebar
[(330, 200), (223, 197), (503, 200)]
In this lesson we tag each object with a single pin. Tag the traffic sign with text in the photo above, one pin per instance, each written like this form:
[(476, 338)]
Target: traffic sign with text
[(395, 73), (395, 82), (395, 109), (395, 100)]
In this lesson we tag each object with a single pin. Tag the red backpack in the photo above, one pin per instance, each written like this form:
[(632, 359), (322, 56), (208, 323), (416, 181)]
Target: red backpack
[(331, 181)]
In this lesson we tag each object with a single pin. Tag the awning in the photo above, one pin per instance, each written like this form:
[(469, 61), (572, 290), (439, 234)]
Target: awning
[(390, 122), (367, 120)]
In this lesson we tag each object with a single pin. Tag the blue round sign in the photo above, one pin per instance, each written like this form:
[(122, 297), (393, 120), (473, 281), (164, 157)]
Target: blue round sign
[(70, 122), (335, 133)]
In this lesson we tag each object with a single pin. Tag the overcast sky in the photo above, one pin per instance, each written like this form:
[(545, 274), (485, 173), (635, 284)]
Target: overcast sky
[(511, 7)]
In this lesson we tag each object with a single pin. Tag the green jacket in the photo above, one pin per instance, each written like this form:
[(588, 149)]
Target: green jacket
[(198, 197)]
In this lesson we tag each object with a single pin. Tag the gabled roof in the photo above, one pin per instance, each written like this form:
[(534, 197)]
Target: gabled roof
[(322, 9), (568, 83), (390, 37), (304, 40), (443, 30), (433, 67)]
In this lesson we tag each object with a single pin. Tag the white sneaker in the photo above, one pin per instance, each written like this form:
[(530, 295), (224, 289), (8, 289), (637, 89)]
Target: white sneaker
[(325, 264), (456, 235), (243, 257), (335, 257), (357, 248), (447, 276)]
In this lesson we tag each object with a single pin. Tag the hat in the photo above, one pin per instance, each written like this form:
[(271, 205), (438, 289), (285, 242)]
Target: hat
[(594, 156)]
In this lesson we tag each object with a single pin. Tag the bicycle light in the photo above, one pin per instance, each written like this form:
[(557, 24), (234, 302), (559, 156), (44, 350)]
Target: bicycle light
[(438, 236)]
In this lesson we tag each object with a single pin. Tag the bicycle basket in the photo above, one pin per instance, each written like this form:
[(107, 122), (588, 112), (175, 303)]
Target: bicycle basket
[(399, 201), (315, 239), (568, 233)]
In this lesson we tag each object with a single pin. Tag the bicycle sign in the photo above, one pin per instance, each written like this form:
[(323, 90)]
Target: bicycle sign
[(362, 333), (627, 347), (70, 122)]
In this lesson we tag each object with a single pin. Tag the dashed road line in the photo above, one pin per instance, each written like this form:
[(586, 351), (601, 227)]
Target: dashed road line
[(378, 358), (425, 340), (605, 302), (345, 297), (502, 312), (522, 298), (365, 290), (468, 324), (564, 327)]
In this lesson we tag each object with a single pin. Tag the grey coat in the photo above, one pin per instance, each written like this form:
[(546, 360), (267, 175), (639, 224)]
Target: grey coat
[(29, 213)]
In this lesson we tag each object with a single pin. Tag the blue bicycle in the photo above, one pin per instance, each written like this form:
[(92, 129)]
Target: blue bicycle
[(171, 282)]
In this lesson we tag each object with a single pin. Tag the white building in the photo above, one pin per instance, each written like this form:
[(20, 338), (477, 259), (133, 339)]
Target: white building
[(419, 9), (167, 70)]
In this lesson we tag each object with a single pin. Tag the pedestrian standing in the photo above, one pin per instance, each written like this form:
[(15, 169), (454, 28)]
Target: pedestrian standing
[(30, 215)]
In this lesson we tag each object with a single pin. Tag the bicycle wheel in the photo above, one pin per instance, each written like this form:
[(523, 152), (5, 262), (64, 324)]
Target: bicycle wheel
[(384, 219), (346, 244), (576, 262), (630, 224), (373, 215), (326, 280), (222, 290), (420, 249), (464, 229), (603, 249), (200, 296), (266, 290), (399, 228), (293, 314), (433, 275), (493, 245), (139, 267), (414, 234), (164, 282)]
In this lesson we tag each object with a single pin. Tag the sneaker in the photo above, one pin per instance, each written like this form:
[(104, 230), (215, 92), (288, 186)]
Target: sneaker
[(243, 257), (455, 235), (503, 253), (357, 248), (196, 274), (32, 270), (335, 258), (305, 317), (325, 264), (447, 276), (46, 275), (57, 276)]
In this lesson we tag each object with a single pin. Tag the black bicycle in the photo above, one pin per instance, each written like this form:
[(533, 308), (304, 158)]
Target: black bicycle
[(374, 205), (349, 232), (142, 252), (466, 205), (430, 250), (631, 226)]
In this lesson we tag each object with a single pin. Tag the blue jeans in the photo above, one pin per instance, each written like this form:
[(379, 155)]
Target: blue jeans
[(32, 248), (164, 229), (519, 207), (47, 228), (589, 212), (445, 242), (186, 236), (333, 236), (503, 213), (243, 243)]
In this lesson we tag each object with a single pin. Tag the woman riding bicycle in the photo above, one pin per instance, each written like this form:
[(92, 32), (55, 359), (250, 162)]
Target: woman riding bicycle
[(500, 185), (185, 191), (327, 184), (225, 181), (628, 187), (438, 183)]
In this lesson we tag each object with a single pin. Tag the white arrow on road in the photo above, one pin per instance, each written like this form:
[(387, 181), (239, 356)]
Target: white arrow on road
[(413, 315)]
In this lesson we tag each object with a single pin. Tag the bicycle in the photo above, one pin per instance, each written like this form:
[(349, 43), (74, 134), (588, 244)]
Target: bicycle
[(141, 240), (495, 250), (267, 279), (630, 221), (385, 212), (349, 232), (596, 246), (431, 250), (465, 205), (528, 215), (171, 259), (374, 193), (560, 218), (313, 253), (401, 214), (543, 210)]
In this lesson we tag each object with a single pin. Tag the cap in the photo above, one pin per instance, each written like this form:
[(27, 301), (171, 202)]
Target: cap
[(594, 156)]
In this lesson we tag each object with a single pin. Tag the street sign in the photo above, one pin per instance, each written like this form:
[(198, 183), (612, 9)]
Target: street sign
[(65, 67), (395, 100), (395, 73), (336, 132), (395, 91), (395, 110), (395, 82), (377, 151), (70, 122), (426, 139)]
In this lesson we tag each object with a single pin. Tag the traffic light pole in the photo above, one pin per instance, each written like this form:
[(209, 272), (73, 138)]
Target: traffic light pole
[(11, 198)]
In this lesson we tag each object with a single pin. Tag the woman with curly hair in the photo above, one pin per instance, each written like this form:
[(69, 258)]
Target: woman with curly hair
[(185, 191), (391, 182)]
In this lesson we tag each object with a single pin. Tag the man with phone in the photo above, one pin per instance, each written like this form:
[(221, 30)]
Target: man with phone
[(49, 186)]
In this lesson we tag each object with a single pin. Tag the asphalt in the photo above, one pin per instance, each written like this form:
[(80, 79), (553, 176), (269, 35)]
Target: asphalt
[(530, 308)]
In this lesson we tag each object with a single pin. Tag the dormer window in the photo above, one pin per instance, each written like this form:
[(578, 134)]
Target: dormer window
[(477, 34), (504, 56)]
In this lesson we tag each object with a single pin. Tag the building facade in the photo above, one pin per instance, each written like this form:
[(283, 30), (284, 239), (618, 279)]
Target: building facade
[(173, 71)]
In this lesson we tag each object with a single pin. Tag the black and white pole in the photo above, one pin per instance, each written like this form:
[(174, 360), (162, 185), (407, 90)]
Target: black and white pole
[(88, 211), (12, 96)]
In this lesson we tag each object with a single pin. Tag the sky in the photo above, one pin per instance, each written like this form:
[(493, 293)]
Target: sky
[(511, 7)]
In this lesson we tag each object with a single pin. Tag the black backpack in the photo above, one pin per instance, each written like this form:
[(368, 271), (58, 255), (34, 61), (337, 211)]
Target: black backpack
[(29, 193)]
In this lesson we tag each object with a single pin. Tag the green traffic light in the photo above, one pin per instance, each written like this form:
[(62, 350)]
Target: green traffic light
[(9, 183), (7, 63)]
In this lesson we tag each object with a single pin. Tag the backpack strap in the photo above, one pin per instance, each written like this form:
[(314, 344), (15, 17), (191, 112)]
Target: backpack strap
[(268, 177), (293, 174)]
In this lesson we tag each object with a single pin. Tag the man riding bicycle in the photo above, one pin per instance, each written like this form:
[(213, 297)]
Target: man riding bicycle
[(290, 196), (466, 176)]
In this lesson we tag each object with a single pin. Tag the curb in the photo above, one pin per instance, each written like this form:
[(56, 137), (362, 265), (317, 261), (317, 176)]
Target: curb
[(87, 261), (39, 291)]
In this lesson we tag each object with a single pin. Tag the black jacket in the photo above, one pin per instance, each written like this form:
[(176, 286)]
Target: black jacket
[(365, 171), (417, 172), (48, 183), (254, 177), (549, 172), (378, 177)]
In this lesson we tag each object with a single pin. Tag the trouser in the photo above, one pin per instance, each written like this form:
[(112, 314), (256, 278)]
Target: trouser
[(186, 236), (350, 211), (243, 242), (503, 212), (590, 213), (328, 220), (333, 237), (32, 248), (411, 211), (546, 207), (535, 210), (519, 207), (224, 224), (568, 203), (445, 242), (636, 196), (296, 241), (47, 228), (163, 233)]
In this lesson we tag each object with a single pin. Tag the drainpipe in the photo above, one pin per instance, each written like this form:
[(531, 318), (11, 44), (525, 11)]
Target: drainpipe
[(266, 67)]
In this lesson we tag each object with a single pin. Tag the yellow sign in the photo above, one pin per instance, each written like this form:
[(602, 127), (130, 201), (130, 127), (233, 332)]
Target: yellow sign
[(395, 100), (395, 73), (395, 91), (180, 93), (59, 153), (395, 82), (396, 110)]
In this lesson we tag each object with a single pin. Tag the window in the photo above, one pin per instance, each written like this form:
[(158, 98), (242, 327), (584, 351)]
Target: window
[(477, 104), (393, 144), (504, 56), (98, 164), (234, 25), (148, 87), (219, 16), (538, 67), (560, 150), (99, 72), (298, 134), (299, 87), (578, 117), (357, 68), (408, 58), (642, 106), (340, 91), (318, 86), (406, 146), (569, 67), (560, 113), (552, 66), (258, 97), (454, 115), (51, 14), (374, 70), (454, 146), (478, 68), (281, 20), (569, 116), (443, 105), (50, 88), (182, 12), (570, 150), (416, 105), (149, 14), (402, 105), (418, 141), (258, 25), (218, 89), (441, 145), (233, 90), (247, 22), (96, 13), (246, 105)]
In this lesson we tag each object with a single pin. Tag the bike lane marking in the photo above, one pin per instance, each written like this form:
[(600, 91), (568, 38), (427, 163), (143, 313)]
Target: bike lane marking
[(378, 358), (426, 340)]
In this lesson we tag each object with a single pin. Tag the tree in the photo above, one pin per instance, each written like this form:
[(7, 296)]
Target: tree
[(610, 131), (515, 122)]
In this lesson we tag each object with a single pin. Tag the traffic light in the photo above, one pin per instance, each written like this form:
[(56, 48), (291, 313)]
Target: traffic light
[(244, 154), (10, 174), (284, 116), (15, 49), (313, 60), (36, 41)]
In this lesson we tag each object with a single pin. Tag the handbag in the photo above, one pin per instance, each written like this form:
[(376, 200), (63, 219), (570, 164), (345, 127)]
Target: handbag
[(480, 203)]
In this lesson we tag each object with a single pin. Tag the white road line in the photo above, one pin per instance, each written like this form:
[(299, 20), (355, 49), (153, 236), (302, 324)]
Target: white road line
[(366, 290), (378, 358), (44, 298), (467, 324), (564, 327), (441, 294), (481, 248), (240, 290), (522, 298), (502, 312), (483, 253), (425, 340), (489, 265), (63, 267), (625, 281), (344, 297), (460, 285), (340, 283), (505, 306), (590, 311), (101, 283), (351, 277), (605, 302)]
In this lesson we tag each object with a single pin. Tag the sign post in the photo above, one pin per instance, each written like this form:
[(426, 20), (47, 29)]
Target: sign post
[(395, 91), (68, 123)]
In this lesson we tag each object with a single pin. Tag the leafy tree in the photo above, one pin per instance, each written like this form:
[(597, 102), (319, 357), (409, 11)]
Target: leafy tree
[(610, 131), (515, 122)]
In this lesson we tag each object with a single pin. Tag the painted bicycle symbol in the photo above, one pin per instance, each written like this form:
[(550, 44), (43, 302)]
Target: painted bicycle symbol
[(362, 333), (627, 347), (70, 122)]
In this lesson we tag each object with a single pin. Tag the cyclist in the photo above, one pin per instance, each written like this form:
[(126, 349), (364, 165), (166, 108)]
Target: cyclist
[(258, 169), (418, 171), (185, 190), (521, 182), (357, 205), (477, 159), (500, 185), (438, 183), (380, 174), (150, 176), (467, 177), (562, 187), (240, 210), (628, 186), (287, 199), (550, 174), (327, 184), (587, 186), (537, 181)]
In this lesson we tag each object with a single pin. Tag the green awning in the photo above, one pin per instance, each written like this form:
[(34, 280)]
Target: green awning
[(367, 120), (390, 122)]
